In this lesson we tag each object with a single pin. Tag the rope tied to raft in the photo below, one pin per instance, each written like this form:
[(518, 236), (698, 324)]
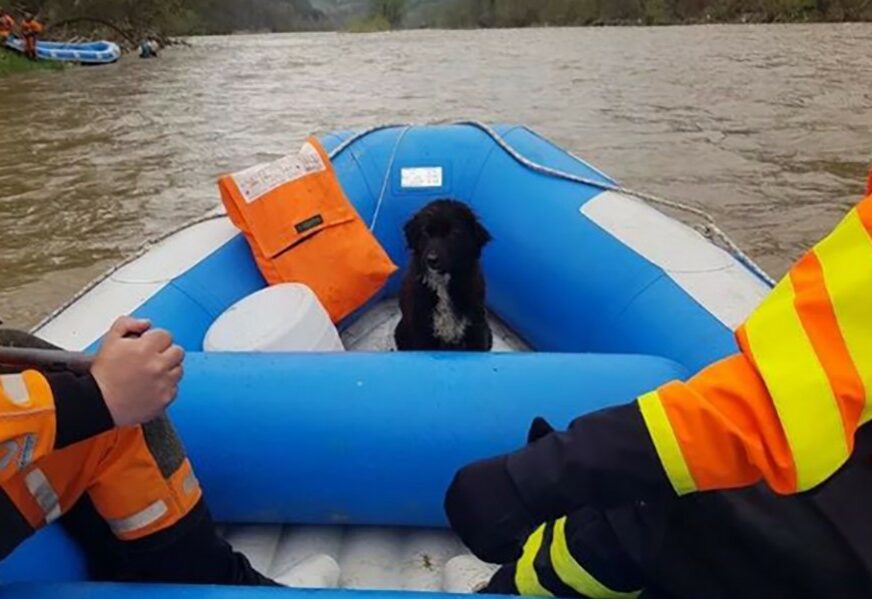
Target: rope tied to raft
[(387, 178), (710, 227), (138, 253)]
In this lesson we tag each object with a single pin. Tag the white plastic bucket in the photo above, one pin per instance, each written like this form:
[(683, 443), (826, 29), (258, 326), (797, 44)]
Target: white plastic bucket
[(282, 318)]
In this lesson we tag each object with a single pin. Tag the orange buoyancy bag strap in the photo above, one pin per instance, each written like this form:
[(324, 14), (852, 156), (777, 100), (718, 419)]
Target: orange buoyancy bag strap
[(302, 228)]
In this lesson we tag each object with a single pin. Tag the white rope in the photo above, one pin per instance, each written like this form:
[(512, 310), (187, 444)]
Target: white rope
[(141, 251), (149, 244), (387, 178), (711, 226), (711, 229), (145, 247), (361, 134)]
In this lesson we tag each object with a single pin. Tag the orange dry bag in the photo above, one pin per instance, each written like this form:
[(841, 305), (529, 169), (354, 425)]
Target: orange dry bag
[(302, 228)]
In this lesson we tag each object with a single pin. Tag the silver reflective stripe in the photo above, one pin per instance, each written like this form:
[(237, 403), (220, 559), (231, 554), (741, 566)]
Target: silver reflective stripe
[(15, 388), (44, 494), (190, 484), (9, 449), (27, 448), (149, 515)]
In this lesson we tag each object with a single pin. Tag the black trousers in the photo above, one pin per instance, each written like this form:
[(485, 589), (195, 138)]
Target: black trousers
[(190, 551), (739, 544)]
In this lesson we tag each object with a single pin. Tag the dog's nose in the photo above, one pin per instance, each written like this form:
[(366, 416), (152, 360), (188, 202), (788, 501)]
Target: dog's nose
[(432, 259)]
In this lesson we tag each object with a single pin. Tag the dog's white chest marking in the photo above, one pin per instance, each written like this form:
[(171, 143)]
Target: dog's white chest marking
[(447, 326)]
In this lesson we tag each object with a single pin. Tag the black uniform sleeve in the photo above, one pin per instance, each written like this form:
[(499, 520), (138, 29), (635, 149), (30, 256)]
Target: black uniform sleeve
[(605, 459), (80, 412)]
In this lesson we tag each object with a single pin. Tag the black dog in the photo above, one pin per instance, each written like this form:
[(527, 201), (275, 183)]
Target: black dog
[(442, 298)]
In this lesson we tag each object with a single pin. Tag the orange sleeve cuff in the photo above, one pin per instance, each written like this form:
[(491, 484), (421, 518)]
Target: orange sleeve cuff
[(726, 430)]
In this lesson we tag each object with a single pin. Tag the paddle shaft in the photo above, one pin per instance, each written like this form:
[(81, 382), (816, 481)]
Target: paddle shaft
[(53, 360)]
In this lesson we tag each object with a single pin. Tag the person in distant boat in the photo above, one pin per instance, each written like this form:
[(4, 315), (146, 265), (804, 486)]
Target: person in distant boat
[(99, 445), (618, 502), (7, 26), (31, 29)]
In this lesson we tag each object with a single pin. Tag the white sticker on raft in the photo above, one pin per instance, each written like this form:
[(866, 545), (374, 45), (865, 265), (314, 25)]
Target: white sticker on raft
[(711, 276), (257, 181), (421, 177)]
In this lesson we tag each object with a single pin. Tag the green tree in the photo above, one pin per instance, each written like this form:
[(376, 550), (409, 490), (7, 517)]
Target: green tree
[(393, 11), (657, 12)]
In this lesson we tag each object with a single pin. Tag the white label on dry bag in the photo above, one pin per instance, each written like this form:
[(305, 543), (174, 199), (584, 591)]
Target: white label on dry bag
[(257, 181), (422, 177)]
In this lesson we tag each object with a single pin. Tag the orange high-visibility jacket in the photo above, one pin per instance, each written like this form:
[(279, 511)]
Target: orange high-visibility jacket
[(7, 24), (784, 409), (31, 27), (40, 413)]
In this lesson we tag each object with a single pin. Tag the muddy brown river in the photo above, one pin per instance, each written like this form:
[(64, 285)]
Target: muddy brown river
[(767, 127)]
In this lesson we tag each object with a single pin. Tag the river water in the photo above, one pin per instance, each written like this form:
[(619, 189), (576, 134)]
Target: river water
[(768, 127)]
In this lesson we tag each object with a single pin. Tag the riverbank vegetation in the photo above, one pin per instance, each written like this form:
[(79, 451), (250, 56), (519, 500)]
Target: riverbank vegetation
[(12, 62), (384, 15), (526, 13), (130, 21)]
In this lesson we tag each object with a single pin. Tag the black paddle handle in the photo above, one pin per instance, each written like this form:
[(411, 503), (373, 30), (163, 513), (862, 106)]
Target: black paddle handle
[(50, 360)]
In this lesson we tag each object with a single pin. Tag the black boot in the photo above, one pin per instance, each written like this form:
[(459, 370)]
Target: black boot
[(189, 552)]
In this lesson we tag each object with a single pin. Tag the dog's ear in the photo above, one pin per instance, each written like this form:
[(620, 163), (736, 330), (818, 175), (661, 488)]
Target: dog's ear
[(482, 235), (413, 230)]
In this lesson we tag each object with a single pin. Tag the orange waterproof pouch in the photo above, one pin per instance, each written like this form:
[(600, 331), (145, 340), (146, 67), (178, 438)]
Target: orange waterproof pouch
[(302, 228)]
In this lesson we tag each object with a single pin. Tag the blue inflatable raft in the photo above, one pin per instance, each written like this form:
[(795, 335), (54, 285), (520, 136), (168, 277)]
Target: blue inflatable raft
[(348, 454), (89, 53)]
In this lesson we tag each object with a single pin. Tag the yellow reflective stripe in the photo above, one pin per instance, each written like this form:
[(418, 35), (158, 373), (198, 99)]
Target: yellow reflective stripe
[(666, 444), (799, 387), (574, 575), (526, 578), (846, 259)]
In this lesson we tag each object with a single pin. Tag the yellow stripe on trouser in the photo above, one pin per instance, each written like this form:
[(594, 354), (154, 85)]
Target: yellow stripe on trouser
[(846, 259), (668, 450), (574, 575), (799, 387), (526, 578)]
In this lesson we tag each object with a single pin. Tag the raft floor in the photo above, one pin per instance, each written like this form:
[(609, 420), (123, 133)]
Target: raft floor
[(375, 558)]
